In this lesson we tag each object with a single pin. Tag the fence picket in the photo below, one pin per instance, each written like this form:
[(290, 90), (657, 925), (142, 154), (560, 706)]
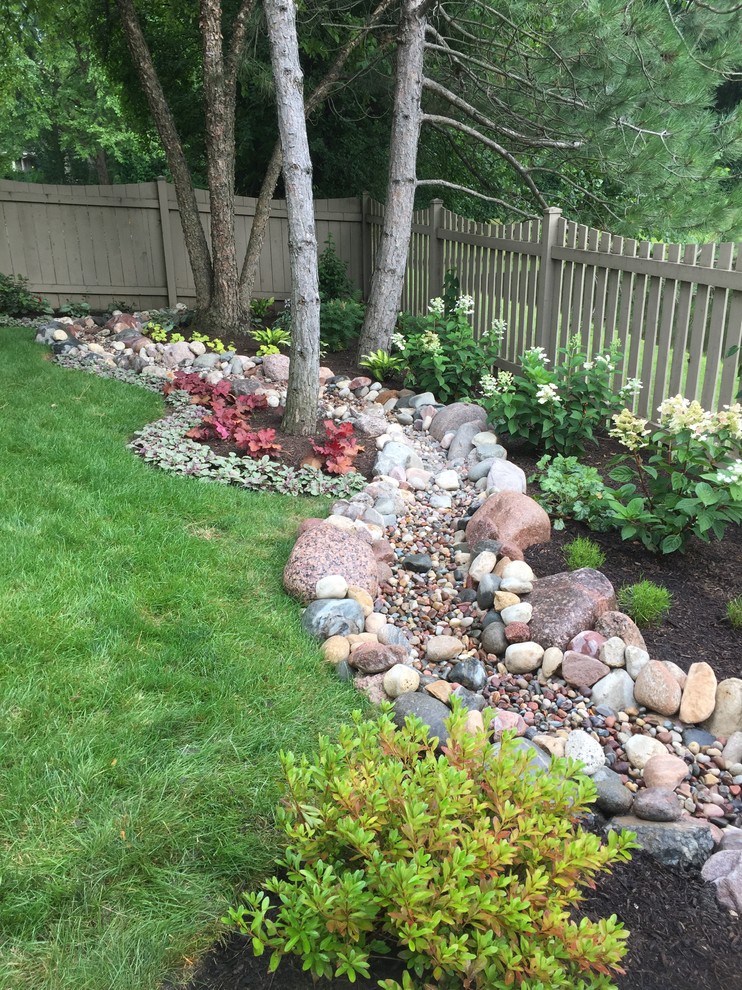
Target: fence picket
[(719, 299), (730, 377), (650, 331), (667, 317), (700, 317)]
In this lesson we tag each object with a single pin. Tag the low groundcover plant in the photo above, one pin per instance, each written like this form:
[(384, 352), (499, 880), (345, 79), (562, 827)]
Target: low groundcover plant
[(465, 864)]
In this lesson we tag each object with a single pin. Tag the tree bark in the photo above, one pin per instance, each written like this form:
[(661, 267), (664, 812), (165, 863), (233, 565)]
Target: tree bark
[(300, 417), (193, 232), (388, 278), (219, 113)]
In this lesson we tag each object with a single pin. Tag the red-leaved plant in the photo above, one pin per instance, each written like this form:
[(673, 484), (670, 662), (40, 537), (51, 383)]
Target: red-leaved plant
[(257, 443), (340, 449), (201, 392), (230, 421)]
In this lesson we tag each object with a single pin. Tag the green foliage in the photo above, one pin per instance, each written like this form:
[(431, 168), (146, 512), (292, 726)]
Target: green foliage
[(74, 308), (259, 310), (734, 612), (334, 281), (440, 352), (382, 365), (570, 490), (560, 409), (340, 322), (274, 337), (681, 480), (16, 299), (451, 292), (583, 552), (645, 602), (466, 864)]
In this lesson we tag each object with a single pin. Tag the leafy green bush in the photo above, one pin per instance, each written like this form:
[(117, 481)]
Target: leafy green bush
[(582, 552), (16, 299), (684, 479), (441, 353), (275, 337), (466, 865), (259, 310), (340, 322), (334, 281), (74, 308), (734, 612), (561, 409), (382, 365), (646, 602), (570, 490)]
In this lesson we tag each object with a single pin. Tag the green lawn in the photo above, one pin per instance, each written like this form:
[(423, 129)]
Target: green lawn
[(150, 670)]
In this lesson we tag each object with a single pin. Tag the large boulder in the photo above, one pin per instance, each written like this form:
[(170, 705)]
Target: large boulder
[(325, 550), (567, 603), (612, 623), (276, 367), (428, 709), (450, 418), (505, 476), (463, 442), (657, 689), (699, 693), (510, 517), (333, 617), (687, 842), (727, 716)]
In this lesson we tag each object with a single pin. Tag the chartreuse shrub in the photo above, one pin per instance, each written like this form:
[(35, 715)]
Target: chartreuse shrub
[(560, 409), (465, 865), (583, 552), (570, 490), (734, 612), (646, 602)]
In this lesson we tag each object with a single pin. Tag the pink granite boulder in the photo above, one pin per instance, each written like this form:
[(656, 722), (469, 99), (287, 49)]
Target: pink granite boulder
[(324, 550), (510, 517), (276, 367), (567, 604), (612, 623), (374, 658)]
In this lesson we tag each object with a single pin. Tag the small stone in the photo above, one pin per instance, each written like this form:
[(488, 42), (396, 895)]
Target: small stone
[(506, 476), (677, 672), (665, 770), (332, 617), (336, 649), (470, 673), (521, 612), (657, 804), (612, 652), (612, 797), (616, 690), (332, 586), (636, 659), (727, 716), (732, 752), (612, 623), (447, 480), (505, 721), (516, 586), (520, 570), (581, 671), (474, 724), (441, 690), (581, 746), (640, 749), (400, 679), (552, 661), (373, 658), (494, 640), (522, 658), (429, 710), (363, 598), (699, 693), (552, 744), (504, 599), (374, 623), (517, 632), (482, 565), (588, 642), (441, 648), (372, 685), (419, 563)]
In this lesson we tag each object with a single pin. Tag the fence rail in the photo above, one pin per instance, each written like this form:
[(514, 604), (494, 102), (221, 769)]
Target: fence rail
[(675, 310)]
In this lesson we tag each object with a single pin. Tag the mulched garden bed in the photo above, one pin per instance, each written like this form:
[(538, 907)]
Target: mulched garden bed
[(680, 937)]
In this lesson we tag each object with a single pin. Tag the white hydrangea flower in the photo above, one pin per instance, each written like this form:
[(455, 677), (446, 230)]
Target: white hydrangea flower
[(730, 475), (488, 384), (548, 393), (430, 341), (632, 387), (605, 360), (679, 413), (464, 305), (588, 366), (436, 306), (497, 330), (538, 353), (398, 340)]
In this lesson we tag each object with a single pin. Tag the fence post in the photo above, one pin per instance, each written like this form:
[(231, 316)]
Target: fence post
[(435, 249), (548, 284), (167, 241), (366, 234)]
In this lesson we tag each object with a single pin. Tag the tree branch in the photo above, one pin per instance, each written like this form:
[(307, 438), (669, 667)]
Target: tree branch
[(473, 192), (237, 44)]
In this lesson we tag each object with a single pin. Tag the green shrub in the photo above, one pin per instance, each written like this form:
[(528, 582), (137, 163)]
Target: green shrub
[(646, 602), (340, 322), (681, 480), (570, 490), (582, 552), (734, 612), (16, 299), (274, 336), (441, 353), (560, 409), (334, 281), (466, 865), (259, 310), (382, 365), (74, 308)]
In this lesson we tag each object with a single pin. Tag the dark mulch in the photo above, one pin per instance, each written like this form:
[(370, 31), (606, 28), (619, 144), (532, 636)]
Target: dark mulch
[(680, 938)]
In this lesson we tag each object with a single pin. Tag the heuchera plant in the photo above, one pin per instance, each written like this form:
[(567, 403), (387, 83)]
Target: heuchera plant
[(467, 865), (340, 449)]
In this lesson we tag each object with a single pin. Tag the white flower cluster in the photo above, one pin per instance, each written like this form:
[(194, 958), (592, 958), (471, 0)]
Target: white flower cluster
[(632, 387), (538, 354), (437, 306), (731, 475), (605, 360), (548, 393), (464, 305), (497, 330), (730, 418), (496, 386), (678, 413), (398, 340), (630, 430), (430, 341)]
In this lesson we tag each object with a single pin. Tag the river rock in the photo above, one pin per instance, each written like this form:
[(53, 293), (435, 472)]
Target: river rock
[(732, 752), (429, 710), (276, 367), (400, 679), (375, 658), (450, 418), (657, 689), (568, 603), (470, 673), (613, 623), (613, 798), (552, 661), (727, 716), (493, 638), (616, 690), (581, 746), (686, 842), (699, 693), (636, 659), (396, 455), (483, 563), (331, 586), (333, 617), (588, 642), (657, 804), (640, 749), (581, 671), (447, 480), (441, 648), (665, 770), (510, 517), (326, 550), (506, 476), (462, 443), (520, 612), (336, 649), (522, 658), (612, 652)]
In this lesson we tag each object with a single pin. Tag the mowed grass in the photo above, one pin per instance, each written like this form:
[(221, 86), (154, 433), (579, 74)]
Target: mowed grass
[(151, 668)]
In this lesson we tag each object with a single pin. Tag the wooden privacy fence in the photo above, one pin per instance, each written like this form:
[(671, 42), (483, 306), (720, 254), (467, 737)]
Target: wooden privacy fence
[(125, 242), (675, 310)]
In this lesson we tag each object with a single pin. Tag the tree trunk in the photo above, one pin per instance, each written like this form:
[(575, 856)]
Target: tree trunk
[(388, 278), (193, 232), (101, 167), (224, 313), (300, 417)]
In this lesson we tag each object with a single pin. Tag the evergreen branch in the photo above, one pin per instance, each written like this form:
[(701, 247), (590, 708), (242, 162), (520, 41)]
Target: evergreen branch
[(237, 44), (478, 195)]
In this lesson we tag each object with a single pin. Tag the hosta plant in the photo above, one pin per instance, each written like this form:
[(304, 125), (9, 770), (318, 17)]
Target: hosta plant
[(467, 866), (339, 449), (273, 337), (382, 365)]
